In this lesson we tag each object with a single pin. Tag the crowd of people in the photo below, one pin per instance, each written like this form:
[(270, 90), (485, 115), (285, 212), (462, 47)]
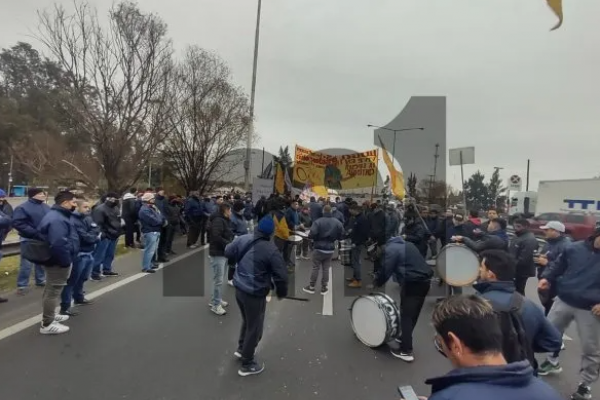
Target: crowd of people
[(490, 338)]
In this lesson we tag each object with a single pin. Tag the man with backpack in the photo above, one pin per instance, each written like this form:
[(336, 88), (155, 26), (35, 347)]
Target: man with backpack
[(525, 328)]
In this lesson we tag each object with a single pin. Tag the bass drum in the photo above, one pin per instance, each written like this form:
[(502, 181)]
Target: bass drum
[(375, 319), (457, 265)]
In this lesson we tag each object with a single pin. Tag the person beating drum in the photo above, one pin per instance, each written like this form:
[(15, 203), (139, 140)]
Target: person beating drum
[(403, 260)]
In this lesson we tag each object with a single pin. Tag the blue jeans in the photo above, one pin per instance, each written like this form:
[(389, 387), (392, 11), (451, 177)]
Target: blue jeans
[(217, 265), (104, 256), (79, 274), (356, 262), (150, 246), (25, 273)]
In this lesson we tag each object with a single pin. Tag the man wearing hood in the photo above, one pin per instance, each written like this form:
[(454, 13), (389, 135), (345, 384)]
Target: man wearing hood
[(129, 213), (106, 216), (497, 284), (494, 238), (26, 219), (556, 243), (523, 247), (576, 278), (468, 333), (259, 266), (324, 232), (89, 236), (404, 261)]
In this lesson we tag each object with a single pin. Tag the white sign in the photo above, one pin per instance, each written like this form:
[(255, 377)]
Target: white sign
[(515, 183), (464, 154), (261, 187)]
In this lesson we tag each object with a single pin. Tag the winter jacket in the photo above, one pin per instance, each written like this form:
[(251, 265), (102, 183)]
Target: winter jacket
[(87, 231), (403, 260), (522, 247), (220, 235), (5, 224), (107, 218), (497, 240), (194, 208), (58, 230), (316, 210), (261, 265), (129, 210), (360, 230), (239, 225), (27, 217), (377, 226), (418, 235), (151, 220), (553, 248), (248, 211), (325, 231)]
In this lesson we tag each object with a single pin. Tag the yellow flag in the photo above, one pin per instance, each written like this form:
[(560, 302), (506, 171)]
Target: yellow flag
[(556, 6), (279, 180), (396, 177)]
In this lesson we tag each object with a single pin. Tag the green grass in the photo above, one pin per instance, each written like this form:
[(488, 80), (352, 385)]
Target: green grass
[(9, 268)]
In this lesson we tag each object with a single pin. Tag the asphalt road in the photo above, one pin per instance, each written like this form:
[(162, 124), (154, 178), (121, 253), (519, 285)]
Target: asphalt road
[(144, 341)]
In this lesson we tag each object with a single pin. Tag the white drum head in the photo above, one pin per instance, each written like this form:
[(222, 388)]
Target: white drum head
[(295, 239), (301, 234), (458, 265), (368, 322)]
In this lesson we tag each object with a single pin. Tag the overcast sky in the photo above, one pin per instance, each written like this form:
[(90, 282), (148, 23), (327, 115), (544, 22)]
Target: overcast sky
[(327, 68)]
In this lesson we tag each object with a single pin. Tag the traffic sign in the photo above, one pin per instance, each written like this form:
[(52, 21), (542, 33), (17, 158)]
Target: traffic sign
[(515, 183)]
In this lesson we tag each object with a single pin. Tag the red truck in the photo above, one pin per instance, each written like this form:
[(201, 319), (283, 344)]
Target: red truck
[(578, 225)]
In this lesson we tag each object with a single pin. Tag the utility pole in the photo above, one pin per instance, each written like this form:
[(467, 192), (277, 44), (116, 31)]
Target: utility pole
[(10, 174), (432, 178)]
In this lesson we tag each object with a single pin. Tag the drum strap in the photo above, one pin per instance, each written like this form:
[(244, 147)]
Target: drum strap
[(248, 247)]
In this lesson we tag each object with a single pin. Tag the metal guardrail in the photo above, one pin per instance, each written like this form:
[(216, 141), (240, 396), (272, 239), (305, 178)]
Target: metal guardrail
[(10, 249)]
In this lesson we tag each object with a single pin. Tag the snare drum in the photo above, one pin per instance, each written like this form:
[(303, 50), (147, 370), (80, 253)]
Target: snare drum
[(457, 265), (375, 319), (303, 235), (295, 239), (345, 255)]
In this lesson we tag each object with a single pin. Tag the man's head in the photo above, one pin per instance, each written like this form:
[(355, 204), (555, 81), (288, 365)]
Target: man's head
[(458, 219), (238, 206), (112, 199), (219, 200), (553, 229), (474, 213), (83, 206), (355, 209), (294, 205), (327, 209), (225, 210), (497, 265), (496, 225), (266, 225), (520, 224), (65, 200), (492, 214), (37, 194), (468, 331), (160, 191), (2, 196), (148, 198), (449, 213), (433, 213)]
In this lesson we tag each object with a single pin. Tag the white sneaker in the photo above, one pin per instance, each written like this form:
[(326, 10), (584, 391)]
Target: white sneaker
[(223, 304), (55, 328), (219, 310), (60, 318), (230, 283)]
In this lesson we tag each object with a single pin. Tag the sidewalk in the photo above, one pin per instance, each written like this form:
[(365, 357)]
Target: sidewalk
[(20, 308)]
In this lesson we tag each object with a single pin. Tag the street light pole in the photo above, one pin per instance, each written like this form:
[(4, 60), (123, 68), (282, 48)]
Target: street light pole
[(497, 169), (10, 174), (395, 131), (247, 163)]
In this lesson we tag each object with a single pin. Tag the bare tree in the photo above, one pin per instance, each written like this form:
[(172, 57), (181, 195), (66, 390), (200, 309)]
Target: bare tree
[(119, 76), (209, 119)]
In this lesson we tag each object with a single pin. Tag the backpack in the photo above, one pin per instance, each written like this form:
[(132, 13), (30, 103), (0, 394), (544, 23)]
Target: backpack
[(515, 344)]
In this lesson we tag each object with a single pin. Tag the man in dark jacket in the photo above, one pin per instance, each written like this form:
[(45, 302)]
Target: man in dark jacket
[(162, 204), (129, 213), (259, 265), (324, 232), (433, 223), (174, 219), (497, 284), (416, 233), (7, 210), (260, 208), (89, 236), (359, 234), (57, 230), (316, 209), (377, 220), (152, 221), (404, 261), (494, 238), (556, 243), (576, 277), (194, 213), (468, 333), (106, 216), (5, 223), (26, 219), (523, 247), (220, 236)]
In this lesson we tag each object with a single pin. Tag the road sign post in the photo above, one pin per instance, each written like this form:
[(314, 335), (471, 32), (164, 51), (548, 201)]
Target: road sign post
[(461, 156)]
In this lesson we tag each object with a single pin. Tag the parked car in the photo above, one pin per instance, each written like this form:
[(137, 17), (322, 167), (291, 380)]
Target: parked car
[(578, 225)]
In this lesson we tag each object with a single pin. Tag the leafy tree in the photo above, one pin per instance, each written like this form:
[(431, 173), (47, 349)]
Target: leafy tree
[(477, 192), (495, 190), (411, 186), (284, 158)]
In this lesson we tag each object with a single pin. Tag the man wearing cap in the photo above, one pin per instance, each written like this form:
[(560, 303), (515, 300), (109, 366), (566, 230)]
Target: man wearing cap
[(576, 278), (259, 265), (26, 219), (556, 242)]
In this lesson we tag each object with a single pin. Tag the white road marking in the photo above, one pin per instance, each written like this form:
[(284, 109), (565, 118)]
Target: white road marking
[(29, 322), (328, 298)]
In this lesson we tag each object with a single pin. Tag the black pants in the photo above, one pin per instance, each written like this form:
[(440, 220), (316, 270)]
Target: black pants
[(162, 244), (171, 230), (412, 298), (194, 232), (230, 272), (547, 299), (252, 309), (130, 232), (203, 230), (520, 284)]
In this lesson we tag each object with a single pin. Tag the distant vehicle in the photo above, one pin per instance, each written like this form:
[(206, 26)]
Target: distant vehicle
[(579, 225), (522, 204)]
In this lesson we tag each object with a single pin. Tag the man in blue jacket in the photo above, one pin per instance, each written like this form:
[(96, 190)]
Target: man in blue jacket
[(4, 226), (468, 333), (89, 235), (556, 243), (259, 265), (152, 222), (26, 219), (404, 260), (497, 284), (576, 278), (194, 215), (59, 232)]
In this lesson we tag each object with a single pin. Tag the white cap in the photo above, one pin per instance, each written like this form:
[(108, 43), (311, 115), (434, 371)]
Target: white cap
[(557, 226)]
